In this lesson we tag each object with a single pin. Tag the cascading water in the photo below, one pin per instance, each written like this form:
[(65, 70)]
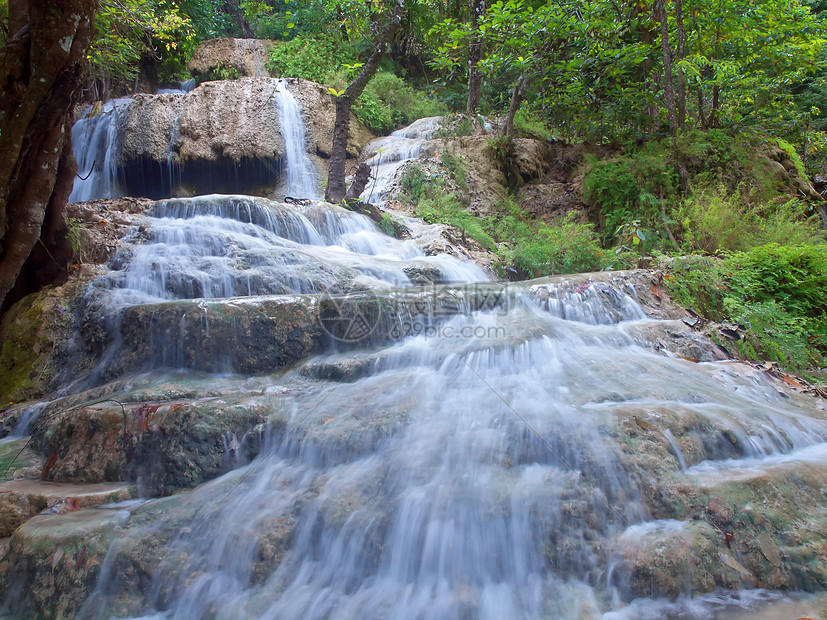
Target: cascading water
[(469, 465), (302, 178), (392, 152), (95, 145), (467, 475)]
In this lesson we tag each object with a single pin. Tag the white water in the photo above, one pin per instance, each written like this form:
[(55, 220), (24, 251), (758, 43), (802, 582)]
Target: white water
[(392, 152), (469, 472), (302, 177), (227, 246), (95, 145)]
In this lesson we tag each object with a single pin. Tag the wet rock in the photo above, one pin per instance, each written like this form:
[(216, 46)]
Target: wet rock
[(235, 120), (319, 115), (248, 57), (250, 335), (54, 561), (20, 500), (674, 560), (37, 339), (163, 446)]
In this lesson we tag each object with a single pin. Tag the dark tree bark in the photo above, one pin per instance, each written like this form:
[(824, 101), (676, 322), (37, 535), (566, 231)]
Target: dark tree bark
[(360, 182), (681, 56), (40, 76), (507, 128), (474, 57), (668, 88), (338, 152), (241, 21)]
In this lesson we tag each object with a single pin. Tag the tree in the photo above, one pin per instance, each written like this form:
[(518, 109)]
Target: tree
[(40, 74), (344, 101), (475, 47)]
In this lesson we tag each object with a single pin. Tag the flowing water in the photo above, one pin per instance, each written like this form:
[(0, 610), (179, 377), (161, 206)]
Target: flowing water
[(302, 178), (469, 470), (392, 152), (95, 145)]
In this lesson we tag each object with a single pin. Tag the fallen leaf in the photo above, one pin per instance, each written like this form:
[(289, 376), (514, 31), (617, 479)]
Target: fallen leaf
[(50, 463), (769, 549), (56, 559), (328, 421), (644, 424), (790, 381), (734, 564), (689, 359), (71, 504), (581, 288)]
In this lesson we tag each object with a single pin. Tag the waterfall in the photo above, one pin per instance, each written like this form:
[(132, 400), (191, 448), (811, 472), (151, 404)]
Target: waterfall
[(482, 455), (392, 152), (95, 145), (302, 178)]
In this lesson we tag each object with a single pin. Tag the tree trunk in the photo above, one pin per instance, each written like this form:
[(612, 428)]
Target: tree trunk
[(240, 19), (507, 128), (40, 74), (701, 117), (681, 56), (338, 152), (712, 122), (474, 57), (668, 88)]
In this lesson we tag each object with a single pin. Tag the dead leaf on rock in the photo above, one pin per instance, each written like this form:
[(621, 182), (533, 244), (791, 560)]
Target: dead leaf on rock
[(644, 424), (769, 549), (735, 565), (56, 559)]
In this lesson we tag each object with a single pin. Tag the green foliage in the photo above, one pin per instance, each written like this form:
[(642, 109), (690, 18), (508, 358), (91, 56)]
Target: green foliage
[(373, 114), (790, 150), (779, 293), (77, 238), (542, 249), (223, 72), (530, 125), (389, 102), (311, 57), (455, 126), (386, 225), (127, 30), (447, 209), (718, 219), (529, 248)]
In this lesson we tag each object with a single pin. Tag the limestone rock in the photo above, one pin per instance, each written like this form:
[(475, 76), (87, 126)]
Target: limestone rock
[(54, 561), (319, 114), (163, 445), (248, 57), (234, 120)]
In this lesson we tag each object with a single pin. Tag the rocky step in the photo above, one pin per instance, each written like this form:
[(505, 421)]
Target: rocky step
[(51, 554), (20, 500)]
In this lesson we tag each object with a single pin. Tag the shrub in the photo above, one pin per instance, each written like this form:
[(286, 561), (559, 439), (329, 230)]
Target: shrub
[(309, 57), (779, 293)]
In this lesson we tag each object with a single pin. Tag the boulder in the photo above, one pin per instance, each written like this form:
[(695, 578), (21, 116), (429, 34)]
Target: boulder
[(54, 561), (164, 445), (233, 120), (218, 58)]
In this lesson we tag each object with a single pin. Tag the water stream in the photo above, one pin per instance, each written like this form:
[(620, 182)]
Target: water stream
[(95, 145), (471, 470)]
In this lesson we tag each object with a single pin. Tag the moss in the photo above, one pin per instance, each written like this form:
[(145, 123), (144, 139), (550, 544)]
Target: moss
[(18, 359)]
